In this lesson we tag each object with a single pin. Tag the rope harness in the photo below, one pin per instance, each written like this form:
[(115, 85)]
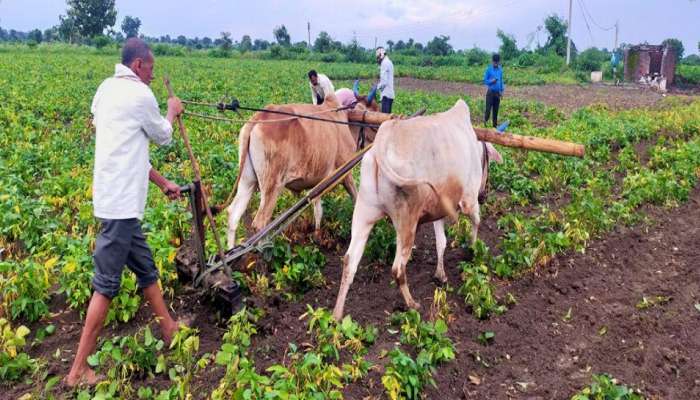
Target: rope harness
[(235, 106), (484, 165)]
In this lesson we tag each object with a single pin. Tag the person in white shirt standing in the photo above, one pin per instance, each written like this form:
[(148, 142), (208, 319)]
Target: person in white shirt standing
[(126, 118), (386, 79), (321, 87)]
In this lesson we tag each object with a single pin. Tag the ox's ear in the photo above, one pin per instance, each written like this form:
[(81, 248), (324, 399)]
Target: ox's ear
[(493, 154)]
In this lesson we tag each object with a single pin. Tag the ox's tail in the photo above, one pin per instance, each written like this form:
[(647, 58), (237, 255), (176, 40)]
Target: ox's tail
[(243, 149), (401, 181)]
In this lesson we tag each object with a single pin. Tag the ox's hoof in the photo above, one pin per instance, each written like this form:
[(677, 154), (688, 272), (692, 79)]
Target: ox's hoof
[(414, 305), (440, 280), (469, 252)]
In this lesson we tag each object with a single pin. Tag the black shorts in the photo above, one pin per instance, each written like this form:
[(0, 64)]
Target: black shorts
[(121, 242)]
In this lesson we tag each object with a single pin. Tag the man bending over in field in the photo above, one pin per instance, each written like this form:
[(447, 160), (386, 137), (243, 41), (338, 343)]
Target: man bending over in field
[(321, 87), (126, 117)]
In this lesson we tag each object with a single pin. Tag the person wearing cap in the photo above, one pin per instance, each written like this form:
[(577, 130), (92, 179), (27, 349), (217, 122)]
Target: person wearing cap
[(321, 87), (386, 79), (493, 79)]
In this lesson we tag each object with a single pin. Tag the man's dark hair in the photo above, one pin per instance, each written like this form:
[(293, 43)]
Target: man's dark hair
[(496, 57), (134, 48), (312, 73)]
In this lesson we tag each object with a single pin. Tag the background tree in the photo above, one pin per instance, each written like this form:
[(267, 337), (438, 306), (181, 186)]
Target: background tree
[(246, 44), (355, 53), (323, 43), (509, 47), (390, 45), (282, 36), (130, 26), (92, 17), (67, 29), (592, 59), (260, 44), (477, 56), (556, 41), (51, 34), (676, 45), (439, 46), (226, 42), (36, 36)]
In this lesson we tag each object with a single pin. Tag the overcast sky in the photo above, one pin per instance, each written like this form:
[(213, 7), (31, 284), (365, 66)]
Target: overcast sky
[(467, 22)]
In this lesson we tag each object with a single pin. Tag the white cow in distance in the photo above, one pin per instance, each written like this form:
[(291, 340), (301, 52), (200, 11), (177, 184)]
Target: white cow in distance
[(419, 170)]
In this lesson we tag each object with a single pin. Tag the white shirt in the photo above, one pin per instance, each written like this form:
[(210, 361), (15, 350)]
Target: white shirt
[(126, 115), (386, 78), (322, 89)]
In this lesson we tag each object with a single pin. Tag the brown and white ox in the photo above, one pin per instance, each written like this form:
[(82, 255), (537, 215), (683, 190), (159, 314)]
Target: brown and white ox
[(419, 170), (277, 152)]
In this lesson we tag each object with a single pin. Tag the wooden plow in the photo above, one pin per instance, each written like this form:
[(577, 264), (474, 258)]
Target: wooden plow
[(211, 273)]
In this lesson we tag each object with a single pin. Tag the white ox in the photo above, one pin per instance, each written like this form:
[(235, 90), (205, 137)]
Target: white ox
[(419, 170)]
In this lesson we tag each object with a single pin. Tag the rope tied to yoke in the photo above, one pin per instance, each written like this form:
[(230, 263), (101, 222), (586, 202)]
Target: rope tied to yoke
[(235, 106)]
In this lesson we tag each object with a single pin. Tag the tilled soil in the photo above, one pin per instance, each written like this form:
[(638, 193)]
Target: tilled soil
[(567, 98)]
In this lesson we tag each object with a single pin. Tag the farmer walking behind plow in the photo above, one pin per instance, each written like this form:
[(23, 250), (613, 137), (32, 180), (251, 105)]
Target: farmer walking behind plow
[(126, 118)]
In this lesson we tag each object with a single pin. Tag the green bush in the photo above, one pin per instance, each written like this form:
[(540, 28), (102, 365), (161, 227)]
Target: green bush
[(550, 63), (591, 60), (476, 56), (527, 59), (101, 41)]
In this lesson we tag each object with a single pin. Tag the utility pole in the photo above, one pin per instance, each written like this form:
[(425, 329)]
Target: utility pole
[(375, 42), (617, 28), (308, 29), (568, 37)]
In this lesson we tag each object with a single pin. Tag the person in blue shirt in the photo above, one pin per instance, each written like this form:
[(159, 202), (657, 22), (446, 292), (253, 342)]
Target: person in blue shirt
[(493, 79)]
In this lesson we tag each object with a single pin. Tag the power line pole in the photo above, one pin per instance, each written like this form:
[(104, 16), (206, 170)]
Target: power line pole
[(568, 36), (375, 42), (308, 28), (617, 28)]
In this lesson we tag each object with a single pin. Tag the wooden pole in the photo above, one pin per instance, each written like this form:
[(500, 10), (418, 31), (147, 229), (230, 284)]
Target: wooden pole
[(568, 36), (198, 178), (531, 142), (489, 135), (370, 117)]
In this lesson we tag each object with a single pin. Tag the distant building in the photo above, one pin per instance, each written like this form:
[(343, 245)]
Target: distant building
[(644, 62)]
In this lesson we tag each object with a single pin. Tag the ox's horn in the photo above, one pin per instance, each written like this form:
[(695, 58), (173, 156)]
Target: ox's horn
[(372, 93), (356, 87)]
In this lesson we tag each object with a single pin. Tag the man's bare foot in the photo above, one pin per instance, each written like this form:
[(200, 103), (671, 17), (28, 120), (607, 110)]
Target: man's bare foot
[(86, 377), (168, 331), (171, 328)]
